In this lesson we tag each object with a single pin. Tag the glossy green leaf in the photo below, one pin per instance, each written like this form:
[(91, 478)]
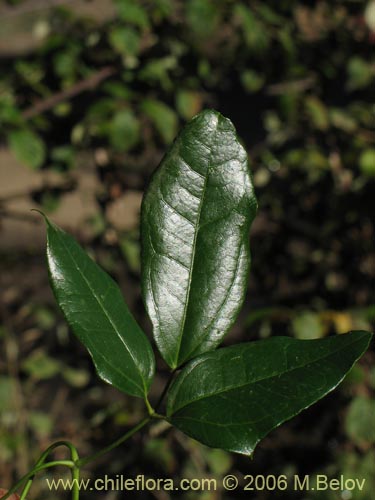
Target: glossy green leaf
[(94, 307), (196, 217), (231, 398)]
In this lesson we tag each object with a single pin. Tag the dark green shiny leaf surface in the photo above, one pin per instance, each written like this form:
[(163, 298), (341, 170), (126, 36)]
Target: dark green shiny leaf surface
[(196, 217), (231, 398), (95, 309)]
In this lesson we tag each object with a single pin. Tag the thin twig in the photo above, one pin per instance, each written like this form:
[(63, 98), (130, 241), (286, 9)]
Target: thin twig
[(85, 460), (50, 102)]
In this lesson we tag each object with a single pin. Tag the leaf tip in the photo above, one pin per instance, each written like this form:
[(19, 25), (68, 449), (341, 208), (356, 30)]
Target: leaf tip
[(46, 219), (38, 211), (209, 116), (363, 335)]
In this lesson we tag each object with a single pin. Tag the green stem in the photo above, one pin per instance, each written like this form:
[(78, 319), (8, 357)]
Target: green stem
[(35, 470), (76, 463), (42, 459), (75, 478), (26, 489), (150, 409), (44, 455), (83, 461), (75, 474)]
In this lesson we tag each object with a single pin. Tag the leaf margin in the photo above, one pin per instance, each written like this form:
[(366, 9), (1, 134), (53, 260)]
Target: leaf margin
[(243, 259), (146, 381), (179, 381)]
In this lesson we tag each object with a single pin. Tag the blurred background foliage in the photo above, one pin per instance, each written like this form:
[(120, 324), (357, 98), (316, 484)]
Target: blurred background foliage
[(91, 94)]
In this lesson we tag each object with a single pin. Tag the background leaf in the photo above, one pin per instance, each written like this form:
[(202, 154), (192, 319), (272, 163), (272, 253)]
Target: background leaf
[(124, 130), (360, 420), (28, 147), (125, 40), (201, 17), (95, 309), (188, 103), (307, 325), (233, 397), (163, 117), (196, 217), (131, 12), (367, 162)]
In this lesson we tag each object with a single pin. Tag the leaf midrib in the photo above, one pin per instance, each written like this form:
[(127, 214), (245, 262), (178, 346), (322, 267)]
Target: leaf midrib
[(227, 389), (193, 254), (114, 326), (223, 303)]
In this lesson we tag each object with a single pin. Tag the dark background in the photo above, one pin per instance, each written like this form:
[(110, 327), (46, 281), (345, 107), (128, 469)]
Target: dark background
[(91, 95)]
